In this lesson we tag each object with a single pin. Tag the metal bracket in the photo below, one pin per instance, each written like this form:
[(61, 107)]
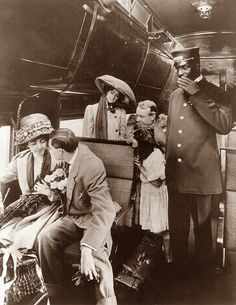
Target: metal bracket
[(160, 36)]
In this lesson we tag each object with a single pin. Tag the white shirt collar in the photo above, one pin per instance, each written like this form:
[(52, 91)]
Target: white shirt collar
[(198, 79), (72, 160)]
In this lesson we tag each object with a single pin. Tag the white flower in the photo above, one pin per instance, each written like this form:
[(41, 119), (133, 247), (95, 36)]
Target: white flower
[(53, 176), (62, 184), (59, 172), (57, 180), (47, 178), (54, 185)]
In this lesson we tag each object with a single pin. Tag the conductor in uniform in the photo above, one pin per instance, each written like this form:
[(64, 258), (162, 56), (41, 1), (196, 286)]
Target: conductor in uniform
[(198, 110)]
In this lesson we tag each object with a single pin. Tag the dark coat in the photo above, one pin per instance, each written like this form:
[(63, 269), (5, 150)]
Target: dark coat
[(192, 157)]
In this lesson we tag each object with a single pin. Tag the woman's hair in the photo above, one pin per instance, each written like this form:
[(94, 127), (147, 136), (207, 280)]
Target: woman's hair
[(43, 136), (107, 88), (146, 143), (64, 138)]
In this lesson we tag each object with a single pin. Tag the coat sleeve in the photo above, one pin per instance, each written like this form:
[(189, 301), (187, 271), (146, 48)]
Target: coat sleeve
[(10, 173), (218, 115), (103, 209), (159, 136), (89, 123)]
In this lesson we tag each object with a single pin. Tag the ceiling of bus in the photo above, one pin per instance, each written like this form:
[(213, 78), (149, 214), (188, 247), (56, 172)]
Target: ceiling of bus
[(38, 38), (180, 17)]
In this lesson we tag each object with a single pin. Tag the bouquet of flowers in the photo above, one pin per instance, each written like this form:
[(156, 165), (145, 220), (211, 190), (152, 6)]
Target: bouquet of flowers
[(57, 180), (29, 204)]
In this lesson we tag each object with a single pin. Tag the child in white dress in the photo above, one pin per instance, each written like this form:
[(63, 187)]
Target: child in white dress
[(149, 140)]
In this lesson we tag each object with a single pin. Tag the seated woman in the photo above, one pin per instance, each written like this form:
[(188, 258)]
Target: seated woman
[(107, 119), (19, 227)]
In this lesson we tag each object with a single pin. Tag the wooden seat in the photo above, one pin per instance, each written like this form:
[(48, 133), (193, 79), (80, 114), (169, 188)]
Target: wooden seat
[(226, 237), (10, 192), (118, 160)]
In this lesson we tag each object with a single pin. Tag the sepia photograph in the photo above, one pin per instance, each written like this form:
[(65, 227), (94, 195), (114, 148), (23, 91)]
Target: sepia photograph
[(118, 152)]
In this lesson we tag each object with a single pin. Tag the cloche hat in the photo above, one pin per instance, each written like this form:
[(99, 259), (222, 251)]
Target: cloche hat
[(32, 126), (32, 120)]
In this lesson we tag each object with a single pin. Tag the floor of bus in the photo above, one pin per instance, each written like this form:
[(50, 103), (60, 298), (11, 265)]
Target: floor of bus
[(208, 288)]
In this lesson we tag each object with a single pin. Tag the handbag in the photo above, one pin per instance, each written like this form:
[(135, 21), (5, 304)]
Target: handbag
[(26, 278), (139, 266), (26, 205)]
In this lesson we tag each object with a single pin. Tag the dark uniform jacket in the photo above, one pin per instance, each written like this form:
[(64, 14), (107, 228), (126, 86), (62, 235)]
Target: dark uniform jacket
[(192, 157)]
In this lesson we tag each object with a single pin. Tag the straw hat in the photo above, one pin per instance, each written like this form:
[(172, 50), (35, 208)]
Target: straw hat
[(116, 83), (31, 127)]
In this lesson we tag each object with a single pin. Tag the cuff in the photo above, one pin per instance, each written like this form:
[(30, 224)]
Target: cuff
[(88, 246)]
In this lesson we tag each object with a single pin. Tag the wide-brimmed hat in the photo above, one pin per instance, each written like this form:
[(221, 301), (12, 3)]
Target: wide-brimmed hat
[(116, 83), (32, 126)]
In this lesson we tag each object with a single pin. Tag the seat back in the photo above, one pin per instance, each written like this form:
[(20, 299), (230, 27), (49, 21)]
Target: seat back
[(118, 159), (10, 192), (230, 200), (231, 139), (226, 235)]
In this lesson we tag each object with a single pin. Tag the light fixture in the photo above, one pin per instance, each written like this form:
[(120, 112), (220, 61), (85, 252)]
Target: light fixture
[(204, 7)]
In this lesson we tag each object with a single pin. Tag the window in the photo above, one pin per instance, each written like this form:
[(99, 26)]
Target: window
[(76, 125), (137, 10), (124, 3), (140, 13), (5, 133)]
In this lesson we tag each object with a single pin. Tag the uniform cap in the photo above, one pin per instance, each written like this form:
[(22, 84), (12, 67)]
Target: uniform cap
[(183, 55)]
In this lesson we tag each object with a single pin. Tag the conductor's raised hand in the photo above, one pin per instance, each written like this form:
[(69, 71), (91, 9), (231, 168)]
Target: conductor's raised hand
[(188, 85)]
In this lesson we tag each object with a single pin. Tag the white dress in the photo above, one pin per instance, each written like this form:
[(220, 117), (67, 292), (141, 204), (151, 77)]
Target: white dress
[(154, 200)]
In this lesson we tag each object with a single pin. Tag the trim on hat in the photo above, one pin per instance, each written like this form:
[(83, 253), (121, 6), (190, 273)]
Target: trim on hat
[(181, 58), (29, 132)]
